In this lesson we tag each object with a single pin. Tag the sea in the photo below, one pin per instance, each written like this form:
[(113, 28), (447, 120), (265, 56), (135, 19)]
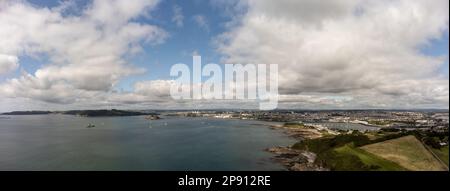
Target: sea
[(59, 142)]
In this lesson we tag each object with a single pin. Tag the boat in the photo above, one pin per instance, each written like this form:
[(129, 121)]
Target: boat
[(152, 117), (90, 125)]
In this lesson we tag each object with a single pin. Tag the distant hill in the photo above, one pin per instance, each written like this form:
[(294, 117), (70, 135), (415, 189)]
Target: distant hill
[(86, 113), (104, 113), (28, 113)]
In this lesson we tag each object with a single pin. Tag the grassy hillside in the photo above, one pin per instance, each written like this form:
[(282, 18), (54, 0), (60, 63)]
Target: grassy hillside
[(442, 154), (371, 160), (340, 153), (406, 151)]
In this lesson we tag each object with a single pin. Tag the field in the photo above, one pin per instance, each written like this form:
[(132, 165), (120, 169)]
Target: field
[(341, 153), (408, 152), (442, 154), (370, 159)]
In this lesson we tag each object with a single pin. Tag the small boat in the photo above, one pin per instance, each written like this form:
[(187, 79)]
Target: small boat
[(90, 125), (152, 117)]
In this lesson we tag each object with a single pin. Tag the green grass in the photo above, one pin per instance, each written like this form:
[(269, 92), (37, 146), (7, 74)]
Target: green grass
[(406, 151), (370, 160), (442, 154), (340, 153), (328, 143), (384, 152)]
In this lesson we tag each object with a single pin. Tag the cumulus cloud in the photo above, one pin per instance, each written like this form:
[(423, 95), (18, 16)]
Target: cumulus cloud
[(358, 49), (334, 54), (86, 51), (8, 63)]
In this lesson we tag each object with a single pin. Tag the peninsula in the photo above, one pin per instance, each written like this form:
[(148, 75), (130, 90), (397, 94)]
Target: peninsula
[(84, 113)]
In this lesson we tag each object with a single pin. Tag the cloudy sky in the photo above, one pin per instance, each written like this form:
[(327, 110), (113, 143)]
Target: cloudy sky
[(343, 54)]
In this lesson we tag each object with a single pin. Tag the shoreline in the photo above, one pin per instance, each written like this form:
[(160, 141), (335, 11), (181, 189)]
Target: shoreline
[(293, 159)]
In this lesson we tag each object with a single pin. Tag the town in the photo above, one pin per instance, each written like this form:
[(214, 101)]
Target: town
[(434, 120)]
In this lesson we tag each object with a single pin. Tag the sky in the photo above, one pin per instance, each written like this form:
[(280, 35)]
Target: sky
[(352, 54)]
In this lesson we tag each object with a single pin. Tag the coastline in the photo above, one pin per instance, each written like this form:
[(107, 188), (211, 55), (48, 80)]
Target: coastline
[(293, 159)]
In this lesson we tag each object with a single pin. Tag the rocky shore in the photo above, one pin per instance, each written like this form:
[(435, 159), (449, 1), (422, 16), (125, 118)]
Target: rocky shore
[(297, 160), (300, 132)]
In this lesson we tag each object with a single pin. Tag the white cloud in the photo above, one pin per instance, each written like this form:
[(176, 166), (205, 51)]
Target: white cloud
[(86, 52), (8, 63), (178, 17), (356, 48), (202, 22), (157, 88), (114, 13), (338, 54), (229, 8)]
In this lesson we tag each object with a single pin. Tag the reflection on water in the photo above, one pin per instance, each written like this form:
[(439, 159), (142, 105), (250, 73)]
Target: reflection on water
[(62, 142)]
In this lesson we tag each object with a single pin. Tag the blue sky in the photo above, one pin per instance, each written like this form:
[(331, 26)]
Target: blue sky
[(189, 38), (439, 47), (183, 41), (320, 62), (178, 48)]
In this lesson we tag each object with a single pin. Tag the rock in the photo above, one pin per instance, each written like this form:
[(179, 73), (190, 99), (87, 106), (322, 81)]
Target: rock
[(306, 167), (294, 160), (297, 160)]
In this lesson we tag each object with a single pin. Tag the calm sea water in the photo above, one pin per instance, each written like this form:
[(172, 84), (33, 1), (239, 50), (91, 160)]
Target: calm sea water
[(62, 142)]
